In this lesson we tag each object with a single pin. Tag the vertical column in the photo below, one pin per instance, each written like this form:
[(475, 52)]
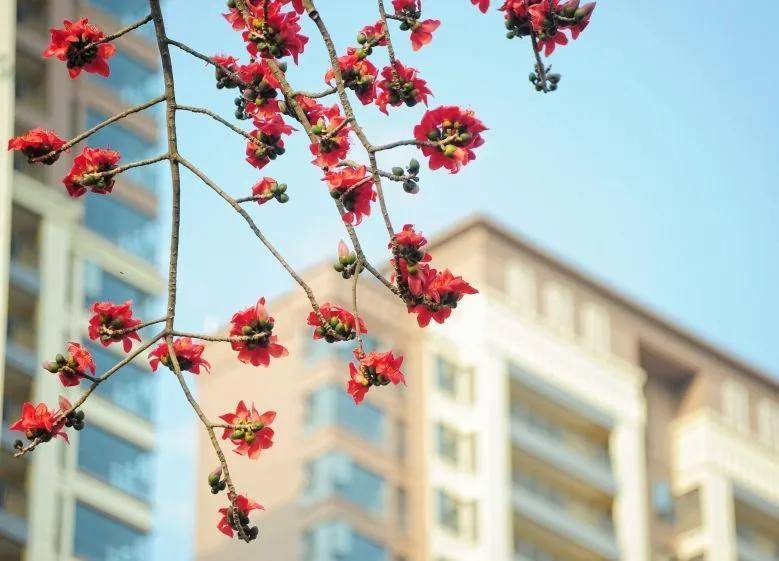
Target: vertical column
[(44, 503), (718, 517), (631, 508), (7, 58)]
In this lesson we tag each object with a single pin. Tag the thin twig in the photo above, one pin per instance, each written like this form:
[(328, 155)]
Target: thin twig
[(216, 117)]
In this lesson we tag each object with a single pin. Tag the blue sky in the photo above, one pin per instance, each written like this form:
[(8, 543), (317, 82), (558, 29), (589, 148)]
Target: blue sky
[(653, 168)]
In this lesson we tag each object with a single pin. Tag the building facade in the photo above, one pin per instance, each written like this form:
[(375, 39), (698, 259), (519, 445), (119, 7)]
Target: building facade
[(92, 500), (549, 419)]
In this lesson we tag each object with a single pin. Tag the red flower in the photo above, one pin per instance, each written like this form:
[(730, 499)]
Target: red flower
[(275, 34), (401, 86), (227, 524), (332, 146), (443, 293), (374, 35), (37, 421), (249, 431), (36, 143), (358, 74), (73, 367), (339, 320), (266, 189), (482, 4), (261, 89), (85, 170), (188, 354), (456, 133), (109, 321), (254, 324), (373, 369), (313, 110), (353, 186), (74, 44), (269, 132), (224, 64)]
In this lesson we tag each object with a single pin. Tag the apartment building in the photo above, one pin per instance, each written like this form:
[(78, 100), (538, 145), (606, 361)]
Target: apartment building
[(92, 500), (550, 419)]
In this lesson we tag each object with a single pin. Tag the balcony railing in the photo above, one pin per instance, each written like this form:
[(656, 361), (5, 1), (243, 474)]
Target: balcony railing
[(592, 468), (544, 512), (25, 277)]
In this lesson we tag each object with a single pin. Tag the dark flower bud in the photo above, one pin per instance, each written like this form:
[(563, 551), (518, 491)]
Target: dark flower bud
[(237, 434), (397, 171), (413, 166), (51, 367), (410, 187), (283, 198), (362, 38)]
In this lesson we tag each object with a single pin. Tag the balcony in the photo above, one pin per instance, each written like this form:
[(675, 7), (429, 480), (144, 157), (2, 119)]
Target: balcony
[(748, 551), (544, 512), (593, 469), (24, 277), (20, 357)]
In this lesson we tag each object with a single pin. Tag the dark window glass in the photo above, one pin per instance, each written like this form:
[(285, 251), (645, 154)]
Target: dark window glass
[(331, 405), (133, 231), (336, 474), (99, 537), (131, 389), (116, 461), (30, 83), (337, 541)]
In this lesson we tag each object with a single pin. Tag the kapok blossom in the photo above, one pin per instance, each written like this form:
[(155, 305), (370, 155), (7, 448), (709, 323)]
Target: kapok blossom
[(548, 19), (441, 294), (73, 367), (109, 323), (39, 422), (401, 86), (483, 5), (75, 45), (224, 65), (268, 188), (37, 143), (456, 133), (333, 138), (261, 89), (275, 34), (421, 31), (188, 354), (87, 171), (239, 514), (311, 107), (255, 328), (353, 186), (373, 369), (374, 35), (410, 260), (249, 431), (339, 321), (270, 143), (358, 74)]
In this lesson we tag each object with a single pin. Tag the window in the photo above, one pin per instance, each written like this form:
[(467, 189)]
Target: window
[(401, 506), (768, 423), (521, 286), (123, 225), (129, 144), (663, 501), (30, 84), (596, 328), (558, 307), (99, 537), (455, 447), (101, 286), (132, 389), (132, 80), (337, 541), (336, 474), (456, 516), (115, 461), (331, 405), (32, 13), (735, 404), (454, 381)]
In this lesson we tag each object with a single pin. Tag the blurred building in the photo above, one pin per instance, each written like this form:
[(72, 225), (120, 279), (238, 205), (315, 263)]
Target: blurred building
[(92, 500), (549, 419)]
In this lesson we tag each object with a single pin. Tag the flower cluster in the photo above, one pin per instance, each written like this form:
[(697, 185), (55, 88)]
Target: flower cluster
[(353, 187), (189, 355), (410, 11), (251, 333), (274, 34), (340, 325), (258, 91), (268, 188), (268, 141), (36, 144), (79, 45), (237, 516), (429, 293), (401, 85), (358, 74), (73, 367), (347, 261), (91, 170), (449, 135), (332, 131), (548, 19), (41, 424), (249, 431), (373, 369), (226, 67), (113, 323)]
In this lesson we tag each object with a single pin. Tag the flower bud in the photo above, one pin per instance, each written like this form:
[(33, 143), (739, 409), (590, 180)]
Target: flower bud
[(249, 437), (410, 187), (61, 360), (397, 171), (215, 476), (260, 312), (51, 366), (343, 252), (237, 434), (283, 198), (413, 166), (362, 38)]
